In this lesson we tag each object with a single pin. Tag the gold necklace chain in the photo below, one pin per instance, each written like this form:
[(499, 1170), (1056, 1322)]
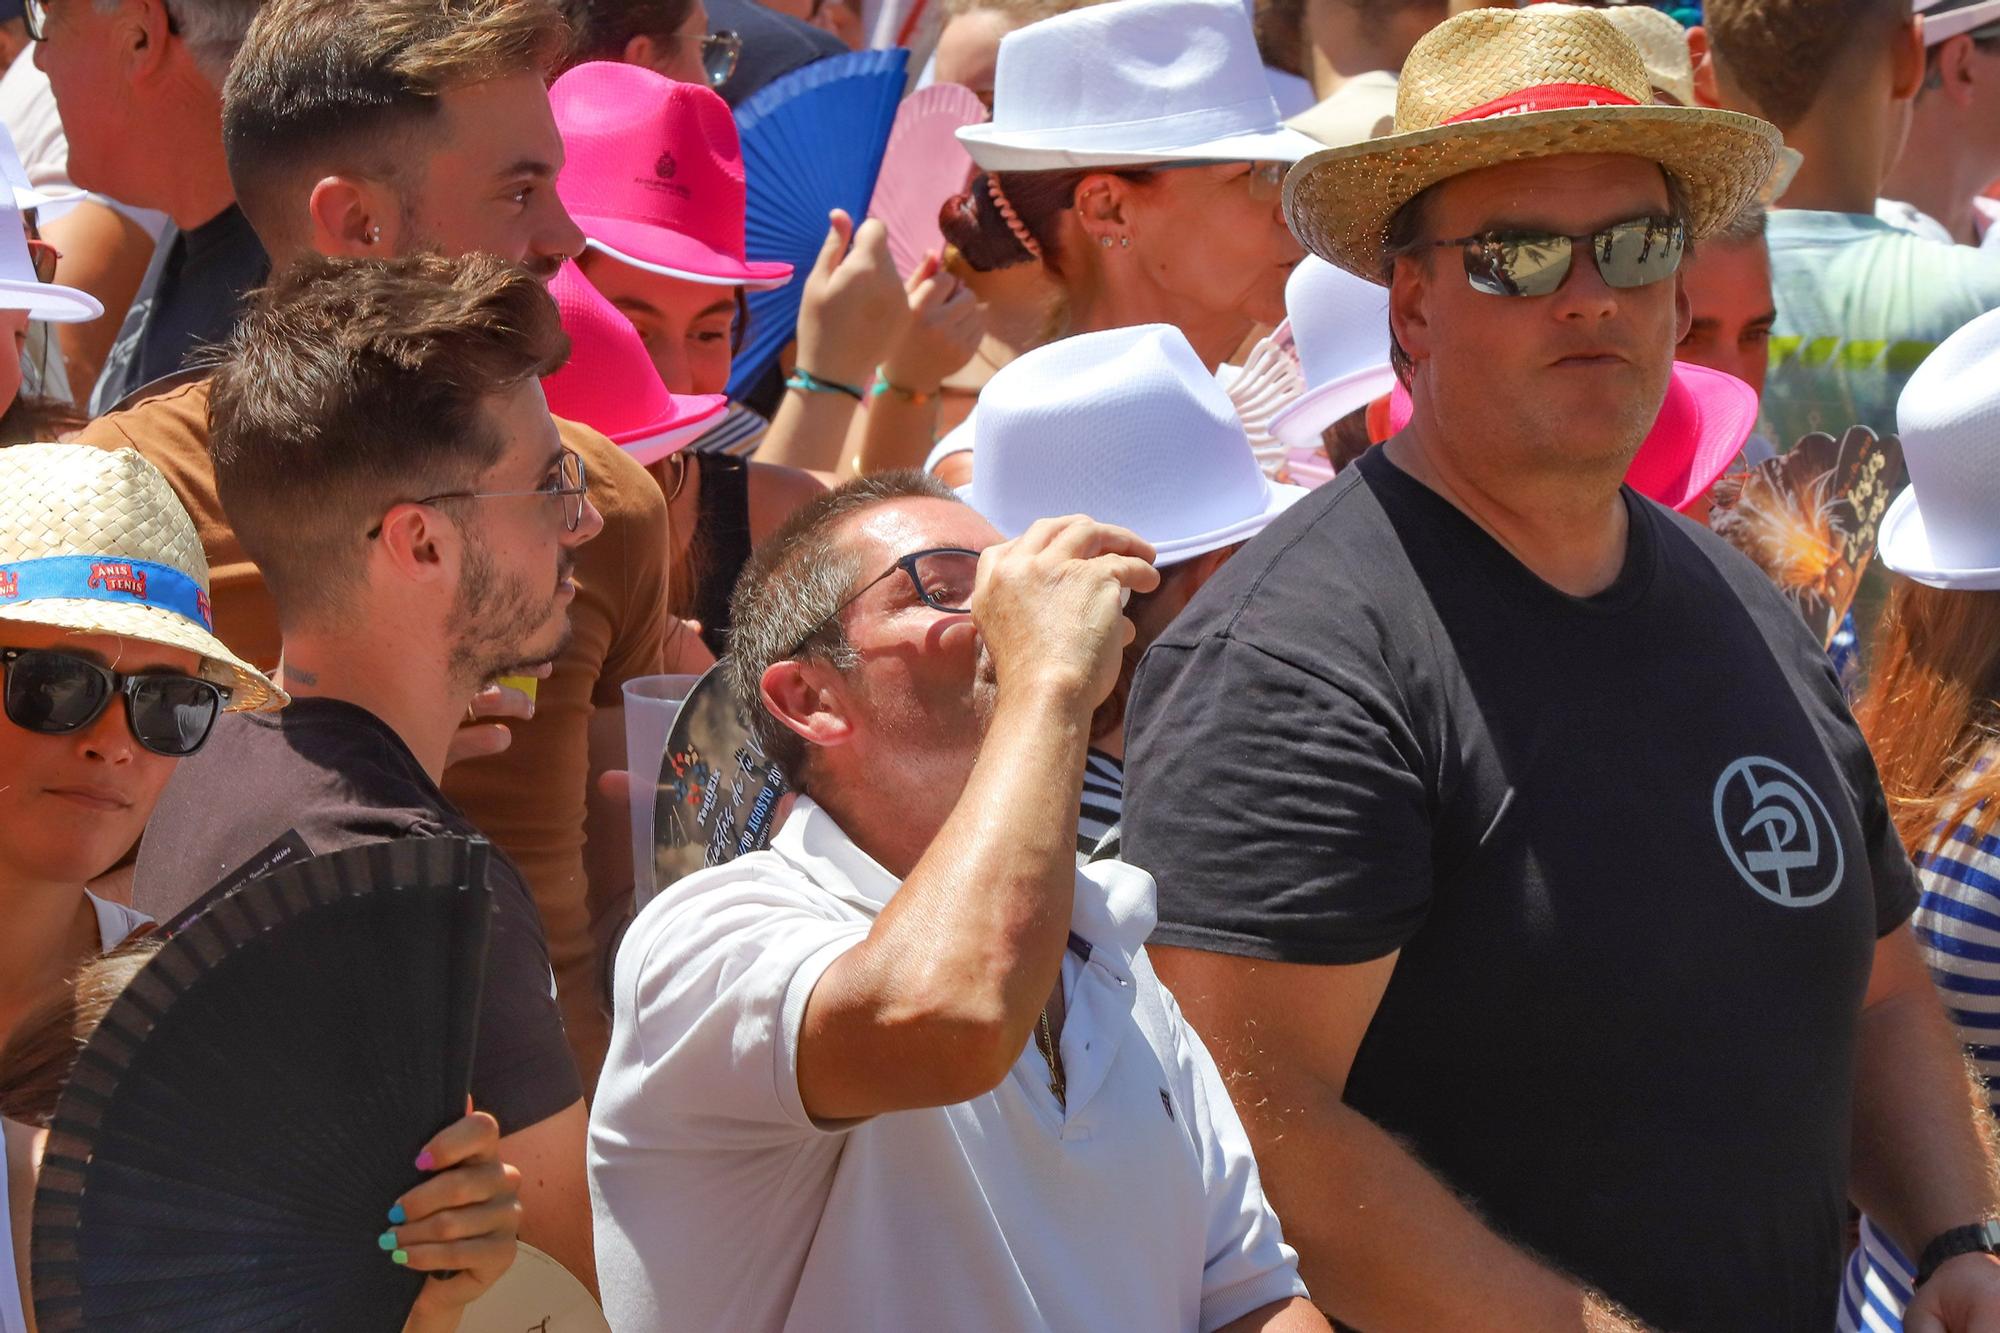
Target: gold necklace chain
[(1046, 1044)]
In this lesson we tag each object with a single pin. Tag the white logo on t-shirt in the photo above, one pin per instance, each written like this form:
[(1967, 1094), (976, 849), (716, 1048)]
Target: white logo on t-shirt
[(1777, 832)]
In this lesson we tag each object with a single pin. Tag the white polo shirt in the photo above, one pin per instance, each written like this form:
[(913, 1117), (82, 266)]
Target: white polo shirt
[(720, 1205)]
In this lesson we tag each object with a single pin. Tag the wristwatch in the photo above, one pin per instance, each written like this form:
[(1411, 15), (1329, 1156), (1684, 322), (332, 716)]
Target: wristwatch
[(1980, 1238)]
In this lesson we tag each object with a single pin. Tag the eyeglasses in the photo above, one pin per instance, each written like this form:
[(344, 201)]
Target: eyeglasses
[(1265, 179), (44, 257), (1634, 253), (54, 693), (569, 481), (719, 53), (35, 17), (942, 575)]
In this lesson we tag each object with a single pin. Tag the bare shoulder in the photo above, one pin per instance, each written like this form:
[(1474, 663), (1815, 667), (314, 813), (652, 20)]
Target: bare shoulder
[(775, 491)]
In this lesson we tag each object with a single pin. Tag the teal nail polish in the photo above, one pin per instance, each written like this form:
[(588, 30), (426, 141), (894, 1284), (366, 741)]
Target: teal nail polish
[(401, 1256), (387, 1240), (397, 1216)]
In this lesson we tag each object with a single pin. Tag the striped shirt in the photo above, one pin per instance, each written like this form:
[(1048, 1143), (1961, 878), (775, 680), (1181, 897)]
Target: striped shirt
[(1957, 925), (1103, 802), (738, 434)]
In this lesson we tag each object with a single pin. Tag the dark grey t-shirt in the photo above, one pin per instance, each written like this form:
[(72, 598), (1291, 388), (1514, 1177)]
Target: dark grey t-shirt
[(321, 776), (1632, 849)]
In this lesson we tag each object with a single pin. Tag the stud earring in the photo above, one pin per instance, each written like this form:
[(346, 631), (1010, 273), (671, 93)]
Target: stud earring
[(1124, 242), (374, 236), (1104, 241)]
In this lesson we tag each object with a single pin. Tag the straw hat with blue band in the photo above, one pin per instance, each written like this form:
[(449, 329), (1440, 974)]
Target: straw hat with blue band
[(1492, 86), (96, 541)]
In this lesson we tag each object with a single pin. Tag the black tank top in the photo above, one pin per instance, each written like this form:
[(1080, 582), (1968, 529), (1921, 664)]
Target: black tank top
[(720, 546)]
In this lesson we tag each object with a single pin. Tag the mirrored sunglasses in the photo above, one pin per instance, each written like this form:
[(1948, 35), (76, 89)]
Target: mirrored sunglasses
[(1635, 253)]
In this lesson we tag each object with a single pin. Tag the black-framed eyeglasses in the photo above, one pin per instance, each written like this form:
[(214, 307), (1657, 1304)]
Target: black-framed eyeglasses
[(35, 18), (942, 575), (1264, 179), (569, 481), (55, 693), (1635, 253)]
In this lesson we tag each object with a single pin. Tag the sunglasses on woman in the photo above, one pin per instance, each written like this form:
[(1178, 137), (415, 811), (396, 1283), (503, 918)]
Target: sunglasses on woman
[(53, 694), (1635, 253)]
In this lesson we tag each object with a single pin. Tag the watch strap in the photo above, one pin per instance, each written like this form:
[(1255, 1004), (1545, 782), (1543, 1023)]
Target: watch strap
[(1979, 1238)]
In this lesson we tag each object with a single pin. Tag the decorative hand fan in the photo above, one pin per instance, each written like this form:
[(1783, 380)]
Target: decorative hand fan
[(719, 796), (1267, 382), (812, 142), (226, 1151), (924, 166), (1809, 518)]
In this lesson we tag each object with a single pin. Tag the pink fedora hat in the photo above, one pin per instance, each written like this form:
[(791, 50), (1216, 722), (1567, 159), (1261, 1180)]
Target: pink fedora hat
[(1701, 429), (609, 383), (655, 174)]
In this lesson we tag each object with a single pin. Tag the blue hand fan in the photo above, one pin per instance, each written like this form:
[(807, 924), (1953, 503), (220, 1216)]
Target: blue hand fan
[(812, 142)]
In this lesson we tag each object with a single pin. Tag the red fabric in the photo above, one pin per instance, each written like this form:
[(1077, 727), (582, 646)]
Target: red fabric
[(1545, 97)]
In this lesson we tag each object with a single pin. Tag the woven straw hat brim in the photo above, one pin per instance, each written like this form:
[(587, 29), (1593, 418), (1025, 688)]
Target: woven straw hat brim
[(249, 689), (1339, 201)]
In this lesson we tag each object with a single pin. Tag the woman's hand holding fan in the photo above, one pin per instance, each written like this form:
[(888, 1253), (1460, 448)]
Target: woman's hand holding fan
[(460, 1224), (943, 332), (854, 305)]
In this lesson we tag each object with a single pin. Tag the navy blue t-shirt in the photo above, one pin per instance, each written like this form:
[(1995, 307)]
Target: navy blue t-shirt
[(1631, 848)]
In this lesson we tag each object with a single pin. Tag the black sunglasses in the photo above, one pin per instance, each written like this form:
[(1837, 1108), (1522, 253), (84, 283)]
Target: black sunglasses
[(942, 575), (54, 693), (1634, 253)]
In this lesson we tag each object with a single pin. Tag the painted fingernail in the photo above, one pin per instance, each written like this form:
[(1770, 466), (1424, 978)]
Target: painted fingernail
[(387, 1240), (425, 1161), (401, 1256), (397, 1216)]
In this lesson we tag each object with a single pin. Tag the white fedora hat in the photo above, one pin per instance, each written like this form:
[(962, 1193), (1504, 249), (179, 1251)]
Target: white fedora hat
[(1340, 326), (1127, 427), (1130, 83), (20, 289), (1944, 19), (1944, 529)]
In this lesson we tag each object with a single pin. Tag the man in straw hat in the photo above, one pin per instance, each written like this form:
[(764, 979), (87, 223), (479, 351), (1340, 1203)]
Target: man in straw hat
[(1517, 856)]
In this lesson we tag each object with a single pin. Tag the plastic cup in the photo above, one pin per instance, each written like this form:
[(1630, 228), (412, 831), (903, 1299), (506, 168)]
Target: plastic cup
[(651, 705)]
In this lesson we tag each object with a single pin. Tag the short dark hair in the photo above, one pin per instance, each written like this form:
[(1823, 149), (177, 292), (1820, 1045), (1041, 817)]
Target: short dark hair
[(325, 86), (1407, 234), (788, 592), (1782, 53), (354, 384), (603, 28)]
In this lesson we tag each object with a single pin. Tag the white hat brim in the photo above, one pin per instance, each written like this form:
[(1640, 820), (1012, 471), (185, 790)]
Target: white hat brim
[(1306, 417), (1279, 496), (49, 301), (999, 150), (1905, 547), (1942, 26), (688, 275)]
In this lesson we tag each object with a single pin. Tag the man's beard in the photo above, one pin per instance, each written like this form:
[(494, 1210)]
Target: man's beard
[(494, 619)]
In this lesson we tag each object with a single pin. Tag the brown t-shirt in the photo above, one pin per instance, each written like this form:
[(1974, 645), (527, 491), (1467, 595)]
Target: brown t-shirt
[(530, 799)]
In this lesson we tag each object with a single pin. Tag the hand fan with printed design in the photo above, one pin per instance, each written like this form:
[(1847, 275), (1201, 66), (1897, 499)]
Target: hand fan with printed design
[(226, 1150)]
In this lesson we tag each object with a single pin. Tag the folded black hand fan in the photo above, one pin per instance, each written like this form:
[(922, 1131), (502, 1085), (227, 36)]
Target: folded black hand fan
[(225, 1154)]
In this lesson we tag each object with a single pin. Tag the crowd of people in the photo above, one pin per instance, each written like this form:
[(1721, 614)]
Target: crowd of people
[(1299, 815)]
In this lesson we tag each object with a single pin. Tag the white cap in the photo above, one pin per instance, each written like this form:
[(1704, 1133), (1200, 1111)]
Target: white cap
[(1944, 20), (1945, 529), (1130, 83), (1127, 427), (21, 290), (1340, 326)]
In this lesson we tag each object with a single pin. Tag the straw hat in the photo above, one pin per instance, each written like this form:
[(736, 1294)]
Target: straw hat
[(1127, 426), (1491, 86), (1126, 84), (97, 541), (1943, 530)]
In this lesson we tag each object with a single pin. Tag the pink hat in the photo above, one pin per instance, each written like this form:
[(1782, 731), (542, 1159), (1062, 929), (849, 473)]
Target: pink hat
[(609, 383), (1701, 429), (655, 174)]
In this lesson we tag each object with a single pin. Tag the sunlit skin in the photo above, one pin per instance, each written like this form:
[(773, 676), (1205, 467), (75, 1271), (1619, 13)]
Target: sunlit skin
[(81, 58), (1729, 292), (679, 56), (1205, 244), (14, 337), (968, 50), (685, 325), (486, 185), (1552, 393)]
